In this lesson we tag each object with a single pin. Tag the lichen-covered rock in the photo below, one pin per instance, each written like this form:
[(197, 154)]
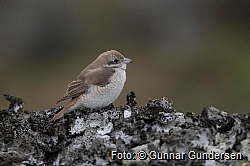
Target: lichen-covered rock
[(126, 135)]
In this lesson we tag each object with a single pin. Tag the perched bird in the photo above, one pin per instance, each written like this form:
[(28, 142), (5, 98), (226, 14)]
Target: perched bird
[(98, 85)]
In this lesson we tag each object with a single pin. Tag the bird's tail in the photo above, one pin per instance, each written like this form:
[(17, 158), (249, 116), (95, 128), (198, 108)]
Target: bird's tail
[(65, 109)]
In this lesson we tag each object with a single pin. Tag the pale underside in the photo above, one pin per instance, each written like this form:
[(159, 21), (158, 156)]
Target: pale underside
[(102, 96)]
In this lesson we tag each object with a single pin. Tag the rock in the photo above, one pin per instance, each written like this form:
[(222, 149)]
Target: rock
[(155, 134)]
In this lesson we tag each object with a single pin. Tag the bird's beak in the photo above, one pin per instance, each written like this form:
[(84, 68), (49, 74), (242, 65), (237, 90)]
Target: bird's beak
[(126, 60)]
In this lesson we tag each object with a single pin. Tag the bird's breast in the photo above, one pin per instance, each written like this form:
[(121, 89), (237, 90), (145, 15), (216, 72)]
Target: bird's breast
[(102, 96)]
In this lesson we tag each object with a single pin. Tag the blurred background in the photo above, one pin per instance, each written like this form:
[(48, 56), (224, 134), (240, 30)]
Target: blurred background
[(195, 53)]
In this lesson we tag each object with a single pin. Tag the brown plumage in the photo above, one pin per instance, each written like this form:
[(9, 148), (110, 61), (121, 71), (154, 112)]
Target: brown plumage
[(65, 109), (98, 73)]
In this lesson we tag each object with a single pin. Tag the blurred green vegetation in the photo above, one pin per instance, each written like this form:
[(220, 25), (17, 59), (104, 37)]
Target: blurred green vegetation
[(195, 53)]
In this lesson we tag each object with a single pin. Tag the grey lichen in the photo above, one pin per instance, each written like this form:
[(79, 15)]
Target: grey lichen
[(152, 135)]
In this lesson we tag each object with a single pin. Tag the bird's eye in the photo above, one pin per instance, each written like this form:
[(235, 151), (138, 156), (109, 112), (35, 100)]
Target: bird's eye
[(116, 60)]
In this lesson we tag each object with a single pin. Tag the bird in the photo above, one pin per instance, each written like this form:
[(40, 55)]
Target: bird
[(98, 85)]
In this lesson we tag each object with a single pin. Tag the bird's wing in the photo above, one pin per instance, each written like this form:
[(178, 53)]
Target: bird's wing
[(99, 76), (75, 88)]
